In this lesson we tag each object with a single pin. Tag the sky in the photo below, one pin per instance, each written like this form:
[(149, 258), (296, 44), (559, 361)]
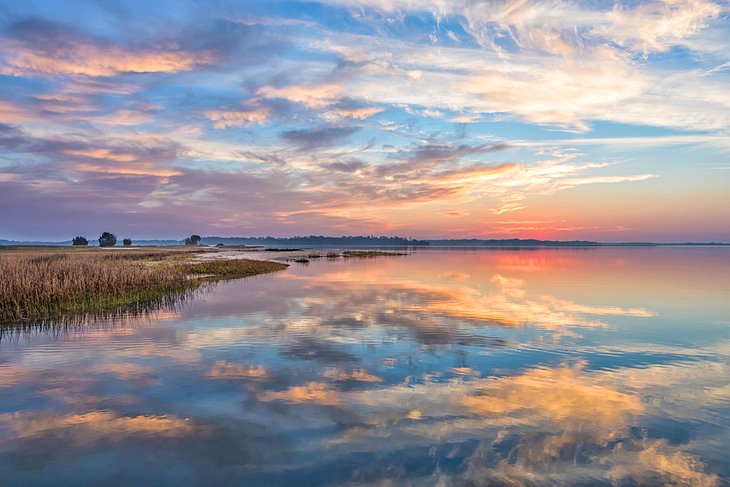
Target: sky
[(554, 119)]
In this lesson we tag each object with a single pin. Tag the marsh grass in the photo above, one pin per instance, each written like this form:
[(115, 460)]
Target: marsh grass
[(229, 269), (37, 286)]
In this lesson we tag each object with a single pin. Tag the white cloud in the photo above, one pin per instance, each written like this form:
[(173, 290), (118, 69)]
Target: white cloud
[(556, 62)]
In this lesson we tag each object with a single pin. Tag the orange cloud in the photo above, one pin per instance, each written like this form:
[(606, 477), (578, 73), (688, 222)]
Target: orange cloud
[(102, 153), (510, 306), (89, 427), (565, 395), (658, 461), (129, 163), (310, 96), (12, 112), (543, 413), (124, 117), (312, 392), (93, 60)]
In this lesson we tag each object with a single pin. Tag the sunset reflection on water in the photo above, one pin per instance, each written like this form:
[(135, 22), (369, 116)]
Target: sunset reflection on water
[(443, 367)]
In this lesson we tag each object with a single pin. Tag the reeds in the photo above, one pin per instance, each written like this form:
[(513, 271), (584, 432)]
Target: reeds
[(41, 285)]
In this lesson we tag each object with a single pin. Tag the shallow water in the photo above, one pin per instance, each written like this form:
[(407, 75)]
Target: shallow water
[(444, 367)]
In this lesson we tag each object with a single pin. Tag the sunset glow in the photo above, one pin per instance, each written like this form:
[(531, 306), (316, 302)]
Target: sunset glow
[(558, 120)]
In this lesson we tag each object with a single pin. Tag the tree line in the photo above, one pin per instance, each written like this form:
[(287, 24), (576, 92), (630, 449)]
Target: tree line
[(319, 240), (108, 239)]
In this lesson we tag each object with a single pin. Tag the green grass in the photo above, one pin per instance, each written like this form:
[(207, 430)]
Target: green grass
[(230, 269)]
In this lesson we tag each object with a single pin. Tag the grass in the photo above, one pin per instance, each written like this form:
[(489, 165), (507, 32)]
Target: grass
[(38, 285), (230, 269)]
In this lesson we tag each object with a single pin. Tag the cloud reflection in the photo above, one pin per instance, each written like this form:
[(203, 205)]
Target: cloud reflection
[(436, 368), (548, 425), (91, 427)]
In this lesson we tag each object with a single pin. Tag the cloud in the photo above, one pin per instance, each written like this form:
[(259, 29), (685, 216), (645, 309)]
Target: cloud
[(101, 154), (318, 96), (125, 371), (346, 167), (227, 370), (429, 156), (142, 157), (336, 187), (340, 118), (326, 97), (312, 392), (11, 112), (39, 47), (565, 425), (321, 350), (564, 27), (94, 426), (238, 118), (556, 394), (548, 177), (358, 113), (359, 375), (322, 136), (553, 63), (656, 26), (507, 305)]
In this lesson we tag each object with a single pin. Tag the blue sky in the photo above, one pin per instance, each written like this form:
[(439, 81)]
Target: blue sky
[(545, 119)]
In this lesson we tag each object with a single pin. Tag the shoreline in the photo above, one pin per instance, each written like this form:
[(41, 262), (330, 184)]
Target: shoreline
[(44, 285), (294, 255), (47, 284)]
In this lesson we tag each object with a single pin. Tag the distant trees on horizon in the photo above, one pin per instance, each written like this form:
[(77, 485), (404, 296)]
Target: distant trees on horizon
[(320, 240), (107, 239), (193, 240)]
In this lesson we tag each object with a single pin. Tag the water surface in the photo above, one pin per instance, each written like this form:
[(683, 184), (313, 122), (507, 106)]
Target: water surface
[(470, 367)]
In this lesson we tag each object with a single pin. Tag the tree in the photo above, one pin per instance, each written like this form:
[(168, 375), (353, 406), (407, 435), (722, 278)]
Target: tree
[(127, 242), (107, 239), (79, 240), (192, 240)]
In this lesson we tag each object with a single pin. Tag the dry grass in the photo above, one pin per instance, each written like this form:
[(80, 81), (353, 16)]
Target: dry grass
[(37, 285)]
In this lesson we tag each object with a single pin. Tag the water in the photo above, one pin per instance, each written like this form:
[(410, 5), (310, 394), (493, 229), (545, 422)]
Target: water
[(469, 367)]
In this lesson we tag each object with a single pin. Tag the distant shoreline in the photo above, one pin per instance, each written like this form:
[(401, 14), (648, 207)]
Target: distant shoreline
[(375, 242)]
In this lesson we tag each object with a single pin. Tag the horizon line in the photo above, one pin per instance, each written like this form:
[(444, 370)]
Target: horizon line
[(579, 242)]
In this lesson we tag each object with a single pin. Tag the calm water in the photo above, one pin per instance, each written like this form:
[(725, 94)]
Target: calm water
[(478, 367)]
